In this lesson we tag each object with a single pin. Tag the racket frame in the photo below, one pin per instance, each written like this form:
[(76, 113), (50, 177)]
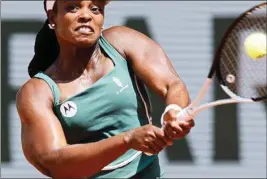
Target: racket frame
[(194, 107)]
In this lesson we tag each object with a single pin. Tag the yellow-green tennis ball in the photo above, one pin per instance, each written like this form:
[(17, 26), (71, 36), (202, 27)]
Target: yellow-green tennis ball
[(255, 45)]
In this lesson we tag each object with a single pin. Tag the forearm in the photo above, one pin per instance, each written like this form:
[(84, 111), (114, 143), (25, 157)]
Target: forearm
[(84, 160), (177, 98), (177, 94)]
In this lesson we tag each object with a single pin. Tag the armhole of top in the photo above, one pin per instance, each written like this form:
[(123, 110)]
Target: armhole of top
[(111, 51), (143, 93), (52, 85)]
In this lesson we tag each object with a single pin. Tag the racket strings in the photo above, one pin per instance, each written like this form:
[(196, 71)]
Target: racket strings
[(258, 24), (243, 55), (231, 55), (243, 75)]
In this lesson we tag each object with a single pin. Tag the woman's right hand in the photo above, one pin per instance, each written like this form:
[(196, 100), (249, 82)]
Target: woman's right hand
[(148, 139)]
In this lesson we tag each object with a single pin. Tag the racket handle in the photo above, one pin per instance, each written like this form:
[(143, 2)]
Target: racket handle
[(186, 114), (149, 154)]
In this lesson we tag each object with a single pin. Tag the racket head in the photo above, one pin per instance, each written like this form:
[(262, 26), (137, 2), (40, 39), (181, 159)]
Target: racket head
[(240, 75)]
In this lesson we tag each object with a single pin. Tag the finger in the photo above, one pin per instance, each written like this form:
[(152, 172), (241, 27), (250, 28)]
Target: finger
[(160, 142), (191, 122), (167, 131), (153, 137), (174, 125), (148, 150), (164, 138), (154, 147), (186, 124), (150, 146), (164, 141), (171, 115), (170, 132), (185, 132)]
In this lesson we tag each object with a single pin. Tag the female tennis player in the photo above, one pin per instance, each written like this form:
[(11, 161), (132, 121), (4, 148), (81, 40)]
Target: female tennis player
[(85, 111)]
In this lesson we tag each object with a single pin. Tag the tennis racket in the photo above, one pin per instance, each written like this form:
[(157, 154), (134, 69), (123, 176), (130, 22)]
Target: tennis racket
[(239, 65), (242, 77)]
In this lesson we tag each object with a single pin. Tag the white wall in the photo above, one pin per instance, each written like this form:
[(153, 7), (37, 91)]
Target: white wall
[(184, 29)]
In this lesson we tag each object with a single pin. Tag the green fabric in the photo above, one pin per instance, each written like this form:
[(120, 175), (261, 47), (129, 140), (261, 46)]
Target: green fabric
[(52, 85), (144, 167), (109, 107)]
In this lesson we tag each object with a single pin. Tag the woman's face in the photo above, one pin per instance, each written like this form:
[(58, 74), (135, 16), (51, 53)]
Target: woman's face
[(79, 22)]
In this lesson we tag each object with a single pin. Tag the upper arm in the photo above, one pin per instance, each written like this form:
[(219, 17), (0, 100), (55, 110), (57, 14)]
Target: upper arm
[(41, 131), (147, 58)]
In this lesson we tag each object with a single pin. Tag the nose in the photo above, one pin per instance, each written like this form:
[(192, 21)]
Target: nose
[(85, 16)]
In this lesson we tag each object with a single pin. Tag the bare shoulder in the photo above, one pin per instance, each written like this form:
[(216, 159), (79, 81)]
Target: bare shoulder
[(118, 36), (124, 38), (117, 31), (123, 33), (34, 93), (34, 88)]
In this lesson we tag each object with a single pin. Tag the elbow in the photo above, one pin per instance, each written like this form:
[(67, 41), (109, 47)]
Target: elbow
[(53, 166), (50, 165), (38, 164), (57, 167), (53, 170)]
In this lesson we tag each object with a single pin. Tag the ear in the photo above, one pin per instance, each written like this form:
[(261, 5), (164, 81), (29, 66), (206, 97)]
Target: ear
[(51, 19)]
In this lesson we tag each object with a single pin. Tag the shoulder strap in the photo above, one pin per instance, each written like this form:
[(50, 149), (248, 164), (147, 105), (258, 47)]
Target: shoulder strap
[(53, 86), (111, 51)]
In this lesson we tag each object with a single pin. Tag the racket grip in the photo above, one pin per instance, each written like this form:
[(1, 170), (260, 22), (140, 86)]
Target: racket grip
[(185, 114)]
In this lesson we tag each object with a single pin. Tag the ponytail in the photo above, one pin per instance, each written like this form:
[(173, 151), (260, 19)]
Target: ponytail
[(46, 50)]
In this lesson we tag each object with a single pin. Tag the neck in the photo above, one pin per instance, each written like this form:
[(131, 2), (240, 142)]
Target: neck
[(77, 59)]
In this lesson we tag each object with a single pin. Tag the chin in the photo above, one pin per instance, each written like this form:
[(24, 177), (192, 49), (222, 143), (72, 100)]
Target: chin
[(85, 42)]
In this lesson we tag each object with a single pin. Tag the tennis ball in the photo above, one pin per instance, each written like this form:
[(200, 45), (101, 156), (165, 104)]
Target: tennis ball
[(255, 45)]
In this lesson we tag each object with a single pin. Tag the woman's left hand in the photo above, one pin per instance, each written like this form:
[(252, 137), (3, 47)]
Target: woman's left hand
[(174, 128)]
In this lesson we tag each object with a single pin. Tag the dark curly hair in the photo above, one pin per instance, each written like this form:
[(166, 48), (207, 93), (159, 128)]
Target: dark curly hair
[(46, 48)]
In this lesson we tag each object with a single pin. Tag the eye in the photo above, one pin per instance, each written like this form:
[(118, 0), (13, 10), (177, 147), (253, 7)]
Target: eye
[(96, 10), (72, 8)]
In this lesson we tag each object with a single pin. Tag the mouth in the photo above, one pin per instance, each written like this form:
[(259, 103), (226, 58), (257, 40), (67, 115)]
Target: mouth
[(84, 29)]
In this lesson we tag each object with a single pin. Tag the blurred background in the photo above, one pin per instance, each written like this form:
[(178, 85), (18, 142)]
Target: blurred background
[(227, 141)]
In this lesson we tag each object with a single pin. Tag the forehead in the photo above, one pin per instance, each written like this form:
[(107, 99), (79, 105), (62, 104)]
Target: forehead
[(49, 4), (99, 2)]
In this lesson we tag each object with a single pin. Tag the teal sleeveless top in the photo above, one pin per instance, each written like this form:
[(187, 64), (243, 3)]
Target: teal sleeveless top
[(116, 103)]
